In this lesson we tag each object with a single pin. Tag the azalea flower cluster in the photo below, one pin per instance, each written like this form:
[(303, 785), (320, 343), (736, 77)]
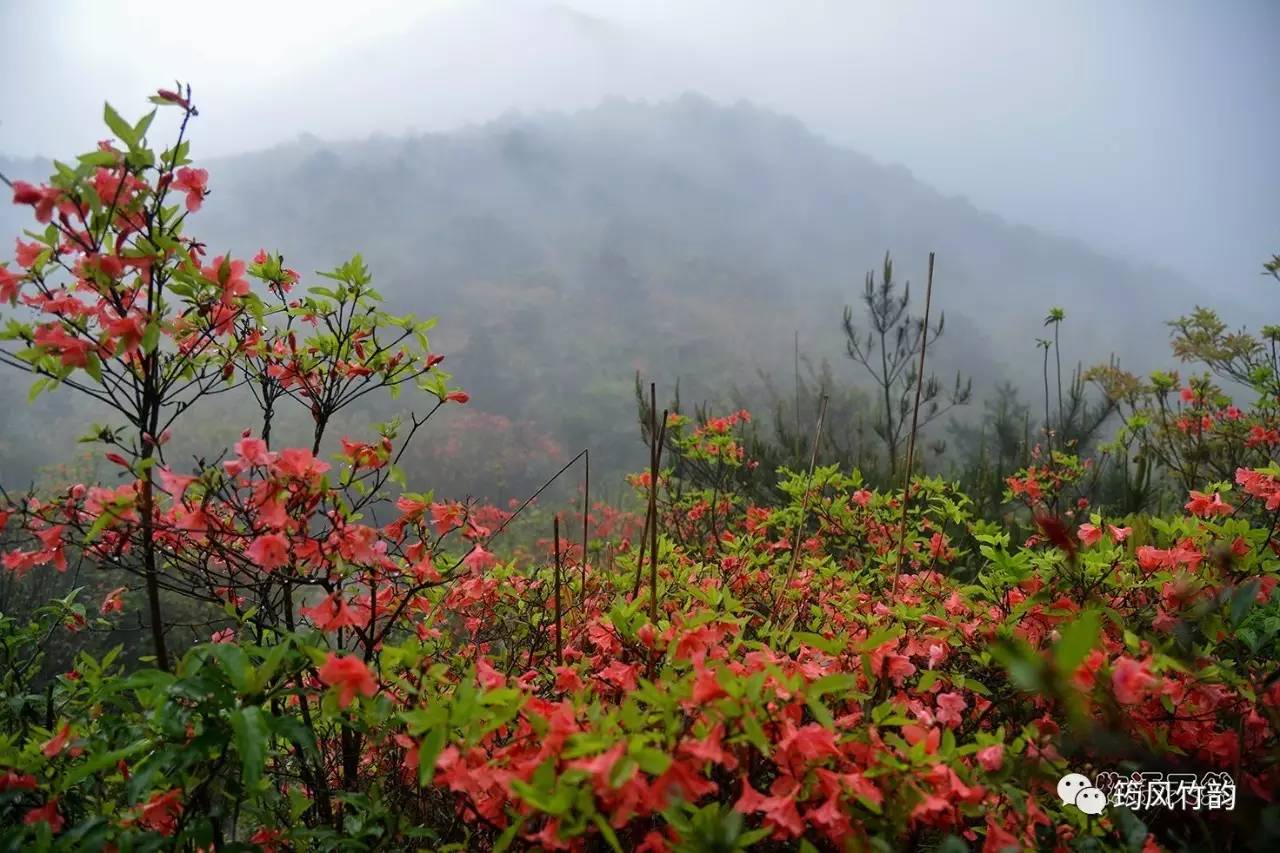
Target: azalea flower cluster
[(821, 709)]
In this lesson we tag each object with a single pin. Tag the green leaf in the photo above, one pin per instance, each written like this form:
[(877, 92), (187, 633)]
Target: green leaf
[(832, 647), (103, 761), (879, 638), (140, 129), (151, 337), (235, 662), (508, 835), (1242, 600), (95, 159), (819, 711), (99, 524), (428, 751), (121, 128), (251, 742), (1077, 639), (93, 367), (298, 802), (270, 664), (606, 831)]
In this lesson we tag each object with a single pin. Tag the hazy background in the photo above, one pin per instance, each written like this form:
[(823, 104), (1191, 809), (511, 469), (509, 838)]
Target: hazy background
[(1143, 126), (690, 183)]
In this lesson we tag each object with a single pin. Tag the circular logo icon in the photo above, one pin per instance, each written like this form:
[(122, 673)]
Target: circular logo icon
[(1071, 785), (1091, 801)]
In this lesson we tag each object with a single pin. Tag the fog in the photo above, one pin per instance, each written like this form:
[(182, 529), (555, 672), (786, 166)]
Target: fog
[(693, 184), (1146, 128)]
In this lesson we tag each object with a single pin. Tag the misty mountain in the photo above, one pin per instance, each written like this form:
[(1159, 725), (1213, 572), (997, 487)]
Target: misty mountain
[(687, 240)]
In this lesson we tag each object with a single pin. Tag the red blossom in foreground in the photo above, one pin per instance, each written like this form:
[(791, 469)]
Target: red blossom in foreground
[(332, 613), (173, 98), (14, 781), (1207, 506), (9, 285), (193, 182), (113, 602), (160, 813), (43, 199), (350, 675), (270, 551), (1131, 680), (56, 744), (48, 813), (1089, 534), (992, 757), (1260, 484)]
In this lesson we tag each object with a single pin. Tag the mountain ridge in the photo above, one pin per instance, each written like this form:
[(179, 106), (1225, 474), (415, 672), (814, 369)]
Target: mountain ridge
[(684, 239)]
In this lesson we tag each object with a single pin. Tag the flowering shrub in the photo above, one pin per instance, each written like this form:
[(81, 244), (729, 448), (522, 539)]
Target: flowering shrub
[(829, 672)]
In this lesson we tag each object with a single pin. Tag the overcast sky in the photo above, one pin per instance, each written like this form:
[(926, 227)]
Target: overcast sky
[(1147, 128)]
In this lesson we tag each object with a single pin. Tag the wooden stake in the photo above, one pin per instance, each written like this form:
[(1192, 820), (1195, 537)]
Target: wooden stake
[(555, 526), (911, 440), (586, 508)]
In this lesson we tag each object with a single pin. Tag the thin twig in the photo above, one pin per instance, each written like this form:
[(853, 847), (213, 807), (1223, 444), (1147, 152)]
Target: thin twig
[(804, 506), (533, 497), (653, 501), (911, 440), (657, 438)]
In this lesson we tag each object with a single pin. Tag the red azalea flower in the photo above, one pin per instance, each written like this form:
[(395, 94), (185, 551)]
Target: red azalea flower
[(1089, 534), (56, 744), (1207, 506), (43, 199), (992, 757), (12, 781), (10, 285), (48, 813), (173, 98), (350, 675), (332, 613), (193, 182), (26, 253), (268, 552), (1131, 680), (113, 603), (161, 812)]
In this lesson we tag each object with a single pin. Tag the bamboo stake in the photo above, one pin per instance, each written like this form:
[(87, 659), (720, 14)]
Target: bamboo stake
[(911, 440), (586, 508), (653, 502), (555, 526)]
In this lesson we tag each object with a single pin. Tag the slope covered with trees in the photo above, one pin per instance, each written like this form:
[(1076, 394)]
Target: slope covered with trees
[(687, 240)]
